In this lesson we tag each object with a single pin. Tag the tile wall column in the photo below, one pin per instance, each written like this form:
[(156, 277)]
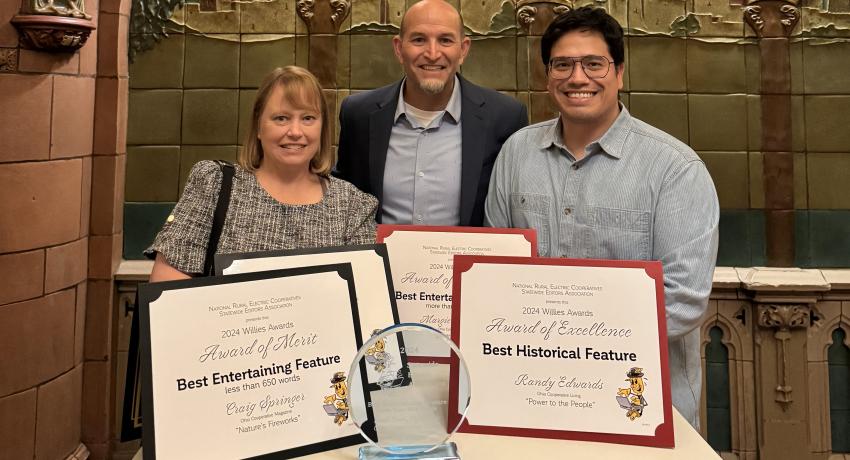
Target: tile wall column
[(61, 177)]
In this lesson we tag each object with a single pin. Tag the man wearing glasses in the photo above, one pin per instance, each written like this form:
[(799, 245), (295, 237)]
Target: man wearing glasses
[(598, 183)]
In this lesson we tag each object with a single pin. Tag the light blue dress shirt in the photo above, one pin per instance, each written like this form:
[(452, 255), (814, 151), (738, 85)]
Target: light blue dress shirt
[(638, 194), (422, 172)]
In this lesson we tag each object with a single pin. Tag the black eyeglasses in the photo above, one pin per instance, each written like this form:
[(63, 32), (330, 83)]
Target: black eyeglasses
[(594, 66)]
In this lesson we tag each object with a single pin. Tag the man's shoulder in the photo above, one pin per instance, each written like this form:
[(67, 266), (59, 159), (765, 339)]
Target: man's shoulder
[(534, 133), (677, 149), (368, 99)]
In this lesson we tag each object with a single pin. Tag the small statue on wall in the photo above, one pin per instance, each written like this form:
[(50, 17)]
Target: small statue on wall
[(70, 8)]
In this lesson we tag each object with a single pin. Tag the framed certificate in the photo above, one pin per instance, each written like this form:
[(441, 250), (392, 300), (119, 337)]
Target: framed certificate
[(251, 365), (373, 289), (563, 348), (421, 260)]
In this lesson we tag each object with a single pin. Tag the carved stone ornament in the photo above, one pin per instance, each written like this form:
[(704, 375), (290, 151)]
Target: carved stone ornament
[(772, 18), (53, 33), (783, 318), (305, 9), (527, 10), (8, 59), (340, 9)]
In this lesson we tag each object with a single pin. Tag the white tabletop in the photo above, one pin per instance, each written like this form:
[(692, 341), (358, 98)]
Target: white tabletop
[(689, 445)]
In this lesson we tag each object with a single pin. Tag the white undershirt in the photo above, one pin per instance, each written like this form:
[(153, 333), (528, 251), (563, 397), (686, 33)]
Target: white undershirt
[(423, 117)]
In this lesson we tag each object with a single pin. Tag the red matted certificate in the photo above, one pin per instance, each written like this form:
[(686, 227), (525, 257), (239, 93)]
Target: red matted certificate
[(563, 348), (421, 262)]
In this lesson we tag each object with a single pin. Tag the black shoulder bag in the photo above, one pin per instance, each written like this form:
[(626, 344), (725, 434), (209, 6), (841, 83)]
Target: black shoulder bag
[(221, 205)]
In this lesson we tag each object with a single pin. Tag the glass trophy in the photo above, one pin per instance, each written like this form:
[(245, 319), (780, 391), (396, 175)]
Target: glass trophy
[(410, 417)]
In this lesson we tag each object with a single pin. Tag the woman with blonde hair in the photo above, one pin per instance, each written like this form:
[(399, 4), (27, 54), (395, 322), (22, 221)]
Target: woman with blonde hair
[(282, 195)]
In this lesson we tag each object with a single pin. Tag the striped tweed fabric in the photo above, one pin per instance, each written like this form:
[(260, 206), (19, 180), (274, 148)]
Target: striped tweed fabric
[(257, 222)]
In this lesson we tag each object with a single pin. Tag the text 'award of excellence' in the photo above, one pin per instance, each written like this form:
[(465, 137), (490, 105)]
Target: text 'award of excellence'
[(563, 348), (411, 421), (253, 365)]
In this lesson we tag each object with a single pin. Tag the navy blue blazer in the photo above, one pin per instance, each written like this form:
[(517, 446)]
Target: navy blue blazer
[(488, 118)]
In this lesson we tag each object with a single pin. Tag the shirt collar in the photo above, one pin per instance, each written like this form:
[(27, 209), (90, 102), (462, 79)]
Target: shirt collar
[(452, 107), (611, 142)]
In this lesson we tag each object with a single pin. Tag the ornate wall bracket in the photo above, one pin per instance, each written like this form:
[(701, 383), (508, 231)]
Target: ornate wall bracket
[(783, 318), (53, 33), (54, 25), (772, 18), (533, 16)]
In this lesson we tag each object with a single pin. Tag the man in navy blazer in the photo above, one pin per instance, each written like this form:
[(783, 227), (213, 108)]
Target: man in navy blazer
[(427, 155)]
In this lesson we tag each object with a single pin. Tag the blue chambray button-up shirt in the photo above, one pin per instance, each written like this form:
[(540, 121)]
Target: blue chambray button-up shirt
[(422, 172), (638, 194)]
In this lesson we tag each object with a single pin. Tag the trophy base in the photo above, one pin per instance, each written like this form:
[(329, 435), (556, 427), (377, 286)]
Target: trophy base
[(447, 451)]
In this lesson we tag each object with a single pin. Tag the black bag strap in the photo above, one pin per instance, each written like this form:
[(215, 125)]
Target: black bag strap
[(221, 205)]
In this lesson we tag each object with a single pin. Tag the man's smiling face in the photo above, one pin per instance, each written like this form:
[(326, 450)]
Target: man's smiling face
[(431, 47), (580, 99)]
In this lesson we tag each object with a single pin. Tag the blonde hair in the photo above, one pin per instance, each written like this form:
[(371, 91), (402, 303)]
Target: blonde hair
[(301, 90)]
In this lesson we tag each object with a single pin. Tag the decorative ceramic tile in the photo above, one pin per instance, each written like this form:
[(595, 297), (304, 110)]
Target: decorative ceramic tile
[(657, 64), (625, 99), (826, 132), (542, 108), (212, 61), (302, 51), (797, 76), (826, 68), (742, 238), (161, 67), (522, 60), (192, 154), (210, 116), (717, 122), (478, 14), (212, 22), (374, 64), (323, 59), (142, 221), (718, 19), (819, 23), (828, 240), (754, 123), (752, 63), (491, 63), (154, 117), (619, 10), (801, 188), (524, 98), (802, 244), (829, 180), (343, 61), (268, 17), (152, 173), (261, 54), (340, 96), (716, 67), (377, 12), (246, 106), (756, 180), (730, 173), (654, 17), (667, 112), (536, 71), (8, 59)]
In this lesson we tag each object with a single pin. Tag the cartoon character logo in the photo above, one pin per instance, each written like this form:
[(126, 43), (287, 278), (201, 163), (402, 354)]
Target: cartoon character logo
[(375, 355), (335, 404), (631, 399)]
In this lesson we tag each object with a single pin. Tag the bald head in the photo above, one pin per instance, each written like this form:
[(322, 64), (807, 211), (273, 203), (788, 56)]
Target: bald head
[(428, 10)]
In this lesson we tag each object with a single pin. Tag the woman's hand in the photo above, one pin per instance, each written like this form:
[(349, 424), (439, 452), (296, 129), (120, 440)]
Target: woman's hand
[(162, 271)]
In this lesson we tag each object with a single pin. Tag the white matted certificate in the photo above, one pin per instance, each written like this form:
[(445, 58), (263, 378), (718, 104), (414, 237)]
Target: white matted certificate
[(249, 366), (373, 288), (563, 348), (421, 260)]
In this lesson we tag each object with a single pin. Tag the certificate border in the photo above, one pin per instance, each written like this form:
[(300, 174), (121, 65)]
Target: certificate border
[(149, 292), (223, 261), (663, 432), (385, 230)]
